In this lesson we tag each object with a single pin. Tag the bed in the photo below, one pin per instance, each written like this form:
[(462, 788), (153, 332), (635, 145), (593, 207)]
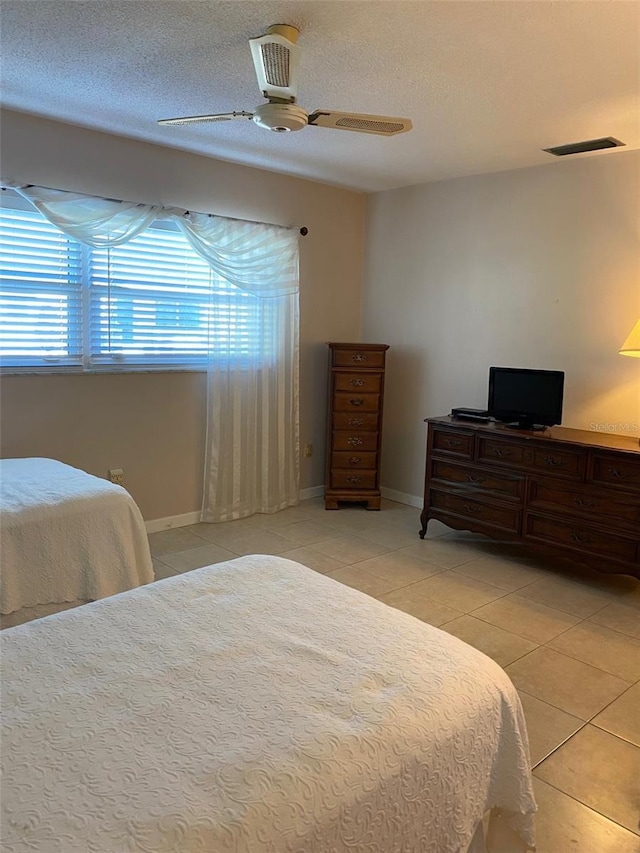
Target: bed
[(255, 706), (66, 536)]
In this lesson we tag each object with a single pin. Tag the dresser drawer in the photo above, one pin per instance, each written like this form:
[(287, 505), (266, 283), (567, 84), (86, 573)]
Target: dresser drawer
[(475, 479), (358, 358), (468, 507), (353, 459), (360, 421), (344, 401), (555, 496), (453, 442), (569, 464), (352, 479), (580, 536), (369, 383), (354, 440), (617, 472)]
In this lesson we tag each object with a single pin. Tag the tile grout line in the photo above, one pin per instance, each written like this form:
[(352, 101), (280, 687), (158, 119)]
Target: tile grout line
[(475, 614), (555, 749), (586, 805), (592, 665), (615, 630), (587, 663), (547, 702)]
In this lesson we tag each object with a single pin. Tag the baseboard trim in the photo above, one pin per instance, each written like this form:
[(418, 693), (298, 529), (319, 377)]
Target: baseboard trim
[(313, 492), (184, 520), (155, 525), (402, 497)]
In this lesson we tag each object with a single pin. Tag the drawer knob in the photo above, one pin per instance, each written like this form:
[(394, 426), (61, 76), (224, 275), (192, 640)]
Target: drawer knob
[(357, 402), (354, 440), (356, 422), (617, 473), (352, 478), (587, 504), (355, 459), (359, 356), (471, 478), (357, 382), (578, 537), (451, 442), (553, 461), (502, 451), (472, 510)]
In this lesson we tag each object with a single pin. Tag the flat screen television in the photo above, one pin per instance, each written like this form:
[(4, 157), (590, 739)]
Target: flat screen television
[(526, 398)]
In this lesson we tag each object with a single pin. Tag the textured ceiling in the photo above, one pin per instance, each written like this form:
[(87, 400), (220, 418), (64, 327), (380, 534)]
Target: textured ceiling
[(487, 84)]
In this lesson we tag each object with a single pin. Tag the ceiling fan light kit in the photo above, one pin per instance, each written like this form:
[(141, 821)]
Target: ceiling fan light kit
[(276, 58), (281, 118)]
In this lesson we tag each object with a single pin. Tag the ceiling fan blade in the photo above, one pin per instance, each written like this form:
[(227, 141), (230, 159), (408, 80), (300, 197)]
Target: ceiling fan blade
[(276, 57), (206, 119), (360, 122)]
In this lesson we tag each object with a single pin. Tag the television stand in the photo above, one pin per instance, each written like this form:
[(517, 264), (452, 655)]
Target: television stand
[(563, 492)]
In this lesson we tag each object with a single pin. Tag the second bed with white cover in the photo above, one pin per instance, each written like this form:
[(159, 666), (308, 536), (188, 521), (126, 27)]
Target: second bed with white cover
[(66, 536)]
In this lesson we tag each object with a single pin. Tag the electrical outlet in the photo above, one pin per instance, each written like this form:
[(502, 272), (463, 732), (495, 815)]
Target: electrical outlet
[(308, 450), (116, 475)]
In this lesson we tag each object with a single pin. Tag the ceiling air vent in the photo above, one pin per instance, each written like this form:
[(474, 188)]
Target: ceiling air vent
[(581, 147)]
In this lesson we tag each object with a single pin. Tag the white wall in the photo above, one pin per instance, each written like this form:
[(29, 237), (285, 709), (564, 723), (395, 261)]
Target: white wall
[(535, 268), (152, 425)]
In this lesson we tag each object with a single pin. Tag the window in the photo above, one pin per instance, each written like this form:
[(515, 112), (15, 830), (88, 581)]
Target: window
[(150, 303)]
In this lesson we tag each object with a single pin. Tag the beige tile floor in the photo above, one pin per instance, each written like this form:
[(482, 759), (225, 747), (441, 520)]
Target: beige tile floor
[(568, 638)]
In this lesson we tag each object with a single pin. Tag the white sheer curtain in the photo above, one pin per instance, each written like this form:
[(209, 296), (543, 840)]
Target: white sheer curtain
[(251, 454), (252, 461), (252, 440)]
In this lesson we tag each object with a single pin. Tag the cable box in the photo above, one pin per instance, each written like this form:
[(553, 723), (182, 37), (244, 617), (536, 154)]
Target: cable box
[(478, 415)]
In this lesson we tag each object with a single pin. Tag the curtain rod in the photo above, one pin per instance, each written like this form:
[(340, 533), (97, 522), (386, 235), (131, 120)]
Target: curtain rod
[(303, 230)]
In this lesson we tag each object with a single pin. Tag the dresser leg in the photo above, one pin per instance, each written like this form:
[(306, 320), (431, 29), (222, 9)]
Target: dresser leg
[(373, 504), (424, 519), (331, 503)]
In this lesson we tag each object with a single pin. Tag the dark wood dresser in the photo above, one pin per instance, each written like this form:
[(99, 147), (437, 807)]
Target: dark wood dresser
[(354, 423), (566, 492)]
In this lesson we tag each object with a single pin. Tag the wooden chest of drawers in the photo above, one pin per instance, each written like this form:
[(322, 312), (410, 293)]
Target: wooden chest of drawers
[(565, 492), (354, 423)]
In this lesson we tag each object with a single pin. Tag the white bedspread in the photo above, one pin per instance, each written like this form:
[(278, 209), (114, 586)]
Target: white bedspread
[(66, 535), (253, 706)]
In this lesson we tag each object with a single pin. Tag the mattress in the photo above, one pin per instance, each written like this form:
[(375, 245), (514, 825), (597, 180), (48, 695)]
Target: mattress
[(254, 706), (66, 535)]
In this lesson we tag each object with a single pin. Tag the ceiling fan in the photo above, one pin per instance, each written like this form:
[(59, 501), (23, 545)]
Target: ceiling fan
[(276, 57)]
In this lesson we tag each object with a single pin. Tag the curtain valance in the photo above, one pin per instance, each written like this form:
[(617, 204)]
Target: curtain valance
[(258, 258)]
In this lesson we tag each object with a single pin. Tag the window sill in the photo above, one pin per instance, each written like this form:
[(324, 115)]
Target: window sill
[(52, 371)]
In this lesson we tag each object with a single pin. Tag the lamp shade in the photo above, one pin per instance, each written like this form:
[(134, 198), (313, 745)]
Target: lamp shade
[(632, 345)]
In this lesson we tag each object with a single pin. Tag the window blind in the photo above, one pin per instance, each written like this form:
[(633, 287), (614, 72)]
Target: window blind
[(149, 302), (40, 293)]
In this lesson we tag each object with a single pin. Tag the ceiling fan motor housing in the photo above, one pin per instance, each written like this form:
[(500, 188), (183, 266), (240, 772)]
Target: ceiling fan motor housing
[(281, 118)]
